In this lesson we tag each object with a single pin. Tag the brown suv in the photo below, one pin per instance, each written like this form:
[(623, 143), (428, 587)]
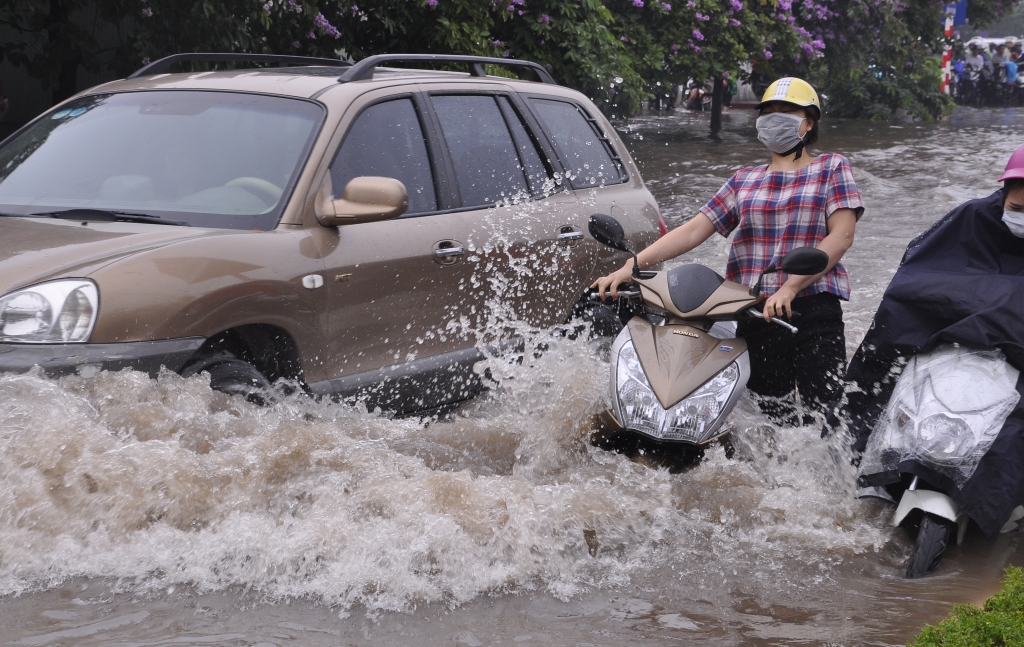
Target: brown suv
[(349, 227)]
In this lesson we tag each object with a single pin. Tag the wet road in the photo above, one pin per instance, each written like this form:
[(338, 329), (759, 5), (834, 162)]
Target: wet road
[(142, 512)]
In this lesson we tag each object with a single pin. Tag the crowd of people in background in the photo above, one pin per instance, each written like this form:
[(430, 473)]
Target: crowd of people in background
[(989, 72)]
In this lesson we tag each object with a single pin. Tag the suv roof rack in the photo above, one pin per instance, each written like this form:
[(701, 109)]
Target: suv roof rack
[(164, 64), (363, 70)]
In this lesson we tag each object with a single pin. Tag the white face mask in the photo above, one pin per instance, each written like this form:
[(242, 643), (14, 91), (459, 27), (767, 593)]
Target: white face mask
[(1015, 221), (779, 131)]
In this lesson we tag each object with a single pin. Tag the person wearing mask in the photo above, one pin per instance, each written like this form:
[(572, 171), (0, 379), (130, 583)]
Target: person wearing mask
[(960, 282), (795, 200)]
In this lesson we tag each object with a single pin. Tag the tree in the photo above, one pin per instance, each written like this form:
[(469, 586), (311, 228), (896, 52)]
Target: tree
[(874, 58), (880, 58), (52, 38)]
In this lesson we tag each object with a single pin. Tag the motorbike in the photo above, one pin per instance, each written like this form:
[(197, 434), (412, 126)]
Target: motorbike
[(677, 368), (945, 412)]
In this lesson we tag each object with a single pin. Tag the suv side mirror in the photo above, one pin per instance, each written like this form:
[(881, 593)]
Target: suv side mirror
[(805, 261), (365, 199)]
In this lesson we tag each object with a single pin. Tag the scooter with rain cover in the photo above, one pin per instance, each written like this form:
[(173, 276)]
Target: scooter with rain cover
[(945, 412), (678, 369)]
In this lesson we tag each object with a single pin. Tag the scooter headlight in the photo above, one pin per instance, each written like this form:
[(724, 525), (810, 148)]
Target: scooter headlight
[(693, 419), (50, 313), (946, 410), (945, 438)]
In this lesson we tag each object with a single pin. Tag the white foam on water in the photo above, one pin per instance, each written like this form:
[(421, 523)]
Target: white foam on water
[(155, 483)]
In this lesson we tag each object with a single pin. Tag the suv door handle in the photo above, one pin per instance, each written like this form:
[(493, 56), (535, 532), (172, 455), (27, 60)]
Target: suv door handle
[(448, 252), (570, 237)]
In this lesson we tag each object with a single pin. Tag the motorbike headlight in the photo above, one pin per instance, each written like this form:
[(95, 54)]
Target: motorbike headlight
[(693, 419), (945, 438), (55, 312)]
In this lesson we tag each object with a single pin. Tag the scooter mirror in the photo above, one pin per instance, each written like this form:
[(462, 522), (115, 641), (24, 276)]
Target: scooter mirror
[(607, 231), (805, 261)]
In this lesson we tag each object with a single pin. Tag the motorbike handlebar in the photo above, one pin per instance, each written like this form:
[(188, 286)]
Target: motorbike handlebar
[(626, 291), (632, 290), (754, 312)]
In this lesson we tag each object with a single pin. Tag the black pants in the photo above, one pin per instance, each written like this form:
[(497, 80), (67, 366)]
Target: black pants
[(811, 362)]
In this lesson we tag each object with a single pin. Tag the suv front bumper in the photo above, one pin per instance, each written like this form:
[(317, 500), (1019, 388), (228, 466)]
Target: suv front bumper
[(63, 359)]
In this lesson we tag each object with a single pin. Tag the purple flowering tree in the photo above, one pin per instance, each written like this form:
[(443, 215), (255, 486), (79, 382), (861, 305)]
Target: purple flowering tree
[(706, 39), (877, 59), (874, 58)]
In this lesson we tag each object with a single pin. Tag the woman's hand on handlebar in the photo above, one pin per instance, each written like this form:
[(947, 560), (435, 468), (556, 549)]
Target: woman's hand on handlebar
[(614, 280), (780, 304)]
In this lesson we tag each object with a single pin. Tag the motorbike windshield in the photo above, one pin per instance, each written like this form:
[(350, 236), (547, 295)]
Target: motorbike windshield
[(945, 412), (210, 159)]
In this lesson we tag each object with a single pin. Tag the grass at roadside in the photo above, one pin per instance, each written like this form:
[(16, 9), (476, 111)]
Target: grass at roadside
[(999, 622)]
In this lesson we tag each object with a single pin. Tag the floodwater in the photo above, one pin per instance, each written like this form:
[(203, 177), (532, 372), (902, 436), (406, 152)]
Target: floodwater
[(155, 512)]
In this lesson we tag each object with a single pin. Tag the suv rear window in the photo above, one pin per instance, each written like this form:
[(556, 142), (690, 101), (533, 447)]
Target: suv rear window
[(486, 159), (587, 159), (386, 140)]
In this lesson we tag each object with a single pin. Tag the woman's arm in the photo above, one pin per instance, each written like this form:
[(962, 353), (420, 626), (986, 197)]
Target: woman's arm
[(841, 225), (678, 241)]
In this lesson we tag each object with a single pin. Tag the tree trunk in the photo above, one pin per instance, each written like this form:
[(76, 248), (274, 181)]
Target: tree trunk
[(67, 81), (717, 92), (58, 34)]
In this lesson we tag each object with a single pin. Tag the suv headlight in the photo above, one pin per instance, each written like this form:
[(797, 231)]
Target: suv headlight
[(54, 312), (693, 419)]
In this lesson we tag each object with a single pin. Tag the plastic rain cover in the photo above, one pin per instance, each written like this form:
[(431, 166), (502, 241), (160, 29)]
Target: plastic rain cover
[(946, 410)]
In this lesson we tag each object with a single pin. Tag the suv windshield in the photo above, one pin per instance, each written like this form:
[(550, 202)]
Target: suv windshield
[(210, 159)]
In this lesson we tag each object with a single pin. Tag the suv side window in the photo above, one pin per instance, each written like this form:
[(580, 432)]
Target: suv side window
[(536, 173), (387, 140), (486, 159), (588, 160)]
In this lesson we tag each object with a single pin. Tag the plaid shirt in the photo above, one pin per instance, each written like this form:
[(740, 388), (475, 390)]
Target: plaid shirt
[(774, 212)]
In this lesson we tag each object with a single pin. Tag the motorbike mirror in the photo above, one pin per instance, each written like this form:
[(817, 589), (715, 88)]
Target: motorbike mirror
[(607, 231), (805, 261)]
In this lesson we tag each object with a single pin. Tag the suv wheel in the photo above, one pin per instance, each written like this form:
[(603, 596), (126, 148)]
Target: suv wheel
[(233, 376)]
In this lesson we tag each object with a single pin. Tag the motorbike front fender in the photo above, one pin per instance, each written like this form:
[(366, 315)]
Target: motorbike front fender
[(936, 503)]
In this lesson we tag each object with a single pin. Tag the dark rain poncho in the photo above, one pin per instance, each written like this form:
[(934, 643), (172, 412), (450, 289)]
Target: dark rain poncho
[(961, 281)]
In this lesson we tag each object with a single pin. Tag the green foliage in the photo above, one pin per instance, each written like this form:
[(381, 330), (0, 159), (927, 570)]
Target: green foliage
[(42, 37), (999, 622), (885, 61), (669, 42), (871, 58), (983, 12)]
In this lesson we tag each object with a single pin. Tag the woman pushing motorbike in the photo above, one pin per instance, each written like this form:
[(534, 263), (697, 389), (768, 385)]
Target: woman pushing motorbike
[(796, 200)]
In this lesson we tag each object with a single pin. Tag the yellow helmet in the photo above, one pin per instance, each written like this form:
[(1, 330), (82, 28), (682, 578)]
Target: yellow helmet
[(792, 90)]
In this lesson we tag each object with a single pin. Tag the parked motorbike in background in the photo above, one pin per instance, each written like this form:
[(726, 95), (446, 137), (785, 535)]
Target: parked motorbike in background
[(677, 370), (944, 414)]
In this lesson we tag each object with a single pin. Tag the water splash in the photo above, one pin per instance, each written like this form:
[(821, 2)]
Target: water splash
[(163, 482)]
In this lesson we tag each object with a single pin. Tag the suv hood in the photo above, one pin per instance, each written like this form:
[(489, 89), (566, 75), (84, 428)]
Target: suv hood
[(33, 250)]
